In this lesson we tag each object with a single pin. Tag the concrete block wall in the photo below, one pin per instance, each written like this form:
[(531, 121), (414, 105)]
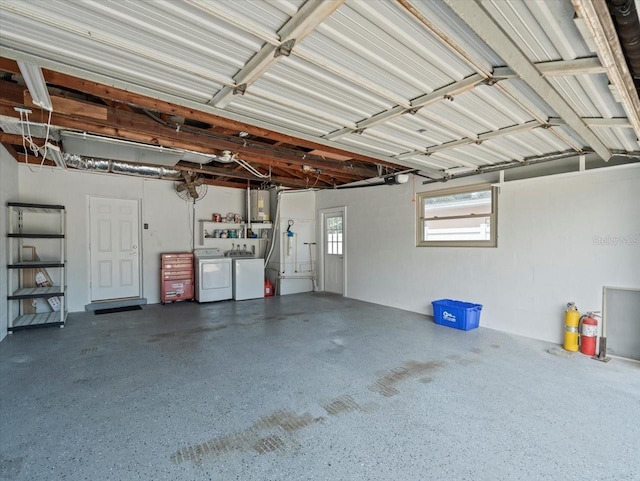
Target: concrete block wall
[(169, 219), (560, 239)]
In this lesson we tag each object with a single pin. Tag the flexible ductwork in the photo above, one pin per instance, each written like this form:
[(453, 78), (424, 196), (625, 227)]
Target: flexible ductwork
[(83, 163), (625, 17), (117, 167)]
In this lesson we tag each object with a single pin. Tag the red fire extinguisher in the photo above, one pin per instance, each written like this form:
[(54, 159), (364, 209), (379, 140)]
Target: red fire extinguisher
[(588, 334)]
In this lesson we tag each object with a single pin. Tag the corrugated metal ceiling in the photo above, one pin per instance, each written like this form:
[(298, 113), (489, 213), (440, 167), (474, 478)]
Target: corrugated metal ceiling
[(364, 59)]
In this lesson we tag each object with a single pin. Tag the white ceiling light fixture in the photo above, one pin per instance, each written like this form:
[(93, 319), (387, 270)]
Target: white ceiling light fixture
[(38, 90), (99, 147), (402, 178), (13, 125), (53, 152), (34, 79)]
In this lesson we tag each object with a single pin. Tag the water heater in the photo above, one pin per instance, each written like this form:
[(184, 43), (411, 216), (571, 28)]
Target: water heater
[(259, 206)]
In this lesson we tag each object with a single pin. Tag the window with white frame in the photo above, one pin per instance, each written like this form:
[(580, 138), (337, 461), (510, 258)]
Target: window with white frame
[(458, 217)]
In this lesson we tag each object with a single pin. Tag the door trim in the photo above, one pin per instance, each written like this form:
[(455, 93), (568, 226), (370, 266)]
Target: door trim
[(323, 213), (140, 254)]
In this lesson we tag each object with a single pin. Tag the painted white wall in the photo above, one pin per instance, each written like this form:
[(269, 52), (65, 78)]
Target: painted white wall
[(553, 247), (557, 241), (8, 192), (291, 274), (169, 219)]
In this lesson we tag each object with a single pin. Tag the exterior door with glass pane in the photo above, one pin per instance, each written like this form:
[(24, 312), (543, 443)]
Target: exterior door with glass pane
[(334, 250)]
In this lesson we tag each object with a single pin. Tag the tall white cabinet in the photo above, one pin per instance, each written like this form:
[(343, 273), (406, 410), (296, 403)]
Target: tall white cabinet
[(36, 264)]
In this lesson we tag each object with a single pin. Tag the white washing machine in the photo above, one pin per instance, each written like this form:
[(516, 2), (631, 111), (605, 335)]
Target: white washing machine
[(213, 275)]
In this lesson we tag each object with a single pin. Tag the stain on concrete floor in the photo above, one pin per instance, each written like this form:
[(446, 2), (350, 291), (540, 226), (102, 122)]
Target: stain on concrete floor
[(465, 362), (281, 317), (185, 333), (346, 404), (386, 384), (10, 468), (273, 432), (268, 444), (276, 431), (336, 346)]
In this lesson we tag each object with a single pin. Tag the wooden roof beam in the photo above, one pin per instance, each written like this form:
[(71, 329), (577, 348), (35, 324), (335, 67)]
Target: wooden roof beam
[(142, 101), (138, 127)]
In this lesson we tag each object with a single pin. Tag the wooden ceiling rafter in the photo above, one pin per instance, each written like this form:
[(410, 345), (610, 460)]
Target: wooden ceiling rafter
[(116, 105), (192, 168), (138, 127), (354, 173), (28, 158), (102, 110), (108, 92), (309, 177), (11, 140), (279, 169), (16, 139), (206, 169)]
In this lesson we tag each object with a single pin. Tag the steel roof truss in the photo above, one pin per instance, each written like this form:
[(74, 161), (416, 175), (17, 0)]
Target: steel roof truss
[(437, 95), (491, 78), (477, 18), (306, 19), (615, 122), (514, 129), (559, 68)]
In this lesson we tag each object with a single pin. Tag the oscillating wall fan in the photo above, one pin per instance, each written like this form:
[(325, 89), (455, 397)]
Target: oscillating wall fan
[(191, 187)]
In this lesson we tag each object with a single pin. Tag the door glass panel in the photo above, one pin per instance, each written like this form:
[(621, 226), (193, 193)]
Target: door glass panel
[(334, 235)]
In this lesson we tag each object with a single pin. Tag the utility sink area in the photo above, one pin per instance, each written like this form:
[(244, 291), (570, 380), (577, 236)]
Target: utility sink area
[(239, 253)]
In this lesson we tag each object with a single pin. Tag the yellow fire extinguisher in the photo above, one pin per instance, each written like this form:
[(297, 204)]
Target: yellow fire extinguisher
[(571, 321)]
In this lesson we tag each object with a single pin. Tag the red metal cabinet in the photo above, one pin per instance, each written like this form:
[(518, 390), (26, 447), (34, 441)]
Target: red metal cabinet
[(176, 283)]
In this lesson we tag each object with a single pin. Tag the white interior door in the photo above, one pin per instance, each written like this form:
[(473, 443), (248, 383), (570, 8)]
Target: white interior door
[(114, 248), (334, 248)]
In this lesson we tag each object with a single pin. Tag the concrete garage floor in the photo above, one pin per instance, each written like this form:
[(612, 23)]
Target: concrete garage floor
[(307, 387)]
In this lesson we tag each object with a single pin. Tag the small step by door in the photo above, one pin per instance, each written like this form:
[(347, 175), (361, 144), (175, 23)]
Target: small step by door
[(114, 248)]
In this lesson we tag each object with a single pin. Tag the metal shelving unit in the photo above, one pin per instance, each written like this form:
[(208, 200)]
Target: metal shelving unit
[(21, 271)]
